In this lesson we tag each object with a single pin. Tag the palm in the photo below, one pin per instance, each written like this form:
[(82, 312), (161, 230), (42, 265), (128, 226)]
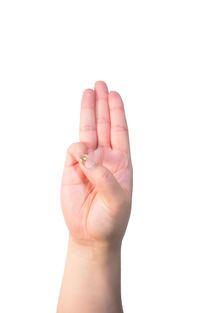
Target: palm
[(85, 212)]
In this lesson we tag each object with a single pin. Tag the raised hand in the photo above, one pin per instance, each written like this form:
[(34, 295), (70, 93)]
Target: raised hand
[(96, 187)]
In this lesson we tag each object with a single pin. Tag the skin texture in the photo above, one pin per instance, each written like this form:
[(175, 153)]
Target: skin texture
[(96, 199)]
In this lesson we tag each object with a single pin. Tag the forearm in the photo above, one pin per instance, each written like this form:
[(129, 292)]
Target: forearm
[(91, 281)]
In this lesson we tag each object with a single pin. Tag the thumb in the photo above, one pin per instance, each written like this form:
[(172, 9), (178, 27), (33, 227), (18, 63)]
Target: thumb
[(104, 181)]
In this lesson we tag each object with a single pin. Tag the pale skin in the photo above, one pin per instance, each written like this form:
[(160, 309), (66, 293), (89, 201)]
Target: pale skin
[(96, 195)]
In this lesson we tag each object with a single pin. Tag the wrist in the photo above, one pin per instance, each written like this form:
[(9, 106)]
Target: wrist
[(95, 252), (93, 276), (97, 265)]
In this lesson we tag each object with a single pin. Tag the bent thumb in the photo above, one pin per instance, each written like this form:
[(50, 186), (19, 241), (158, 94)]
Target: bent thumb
[(104, 181)]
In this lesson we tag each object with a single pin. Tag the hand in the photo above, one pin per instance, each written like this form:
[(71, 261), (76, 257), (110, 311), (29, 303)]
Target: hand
[(96, 193)]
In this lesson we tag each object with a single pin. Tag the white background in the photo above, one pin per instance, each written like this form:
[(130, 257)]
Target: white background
[(148, 51)]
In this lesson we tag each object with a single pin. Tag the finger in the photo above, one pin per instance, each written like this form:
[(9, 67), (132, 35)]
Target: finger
[(74, 152), (104, 181), (119, 129), (102, 114), (72, 174), (87, 131)]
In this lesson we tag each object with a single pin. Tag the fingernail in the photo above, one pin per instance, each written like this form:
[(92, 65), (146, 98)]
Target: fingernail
[(87, 161)]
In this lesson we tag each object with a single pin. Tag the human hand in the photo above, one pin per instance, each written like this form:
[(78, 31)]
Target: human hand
[(96, 188)]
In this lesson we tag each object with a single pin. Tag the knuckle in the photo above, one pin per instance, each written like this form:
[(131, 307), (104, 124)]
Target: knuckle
[(70, 148), (103, 120), (76, 146), (87, 127), (119, 128)]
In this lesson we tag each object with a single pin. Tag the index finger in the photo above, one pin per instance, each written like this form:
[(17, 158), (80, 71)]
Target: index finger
[(87, 128)]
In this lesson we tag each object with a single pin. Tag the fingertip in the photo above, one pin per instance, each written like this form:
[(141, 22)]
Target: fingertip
[(114, 94), (88, 98), (88, 93), (115, 100), (101, 85)]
